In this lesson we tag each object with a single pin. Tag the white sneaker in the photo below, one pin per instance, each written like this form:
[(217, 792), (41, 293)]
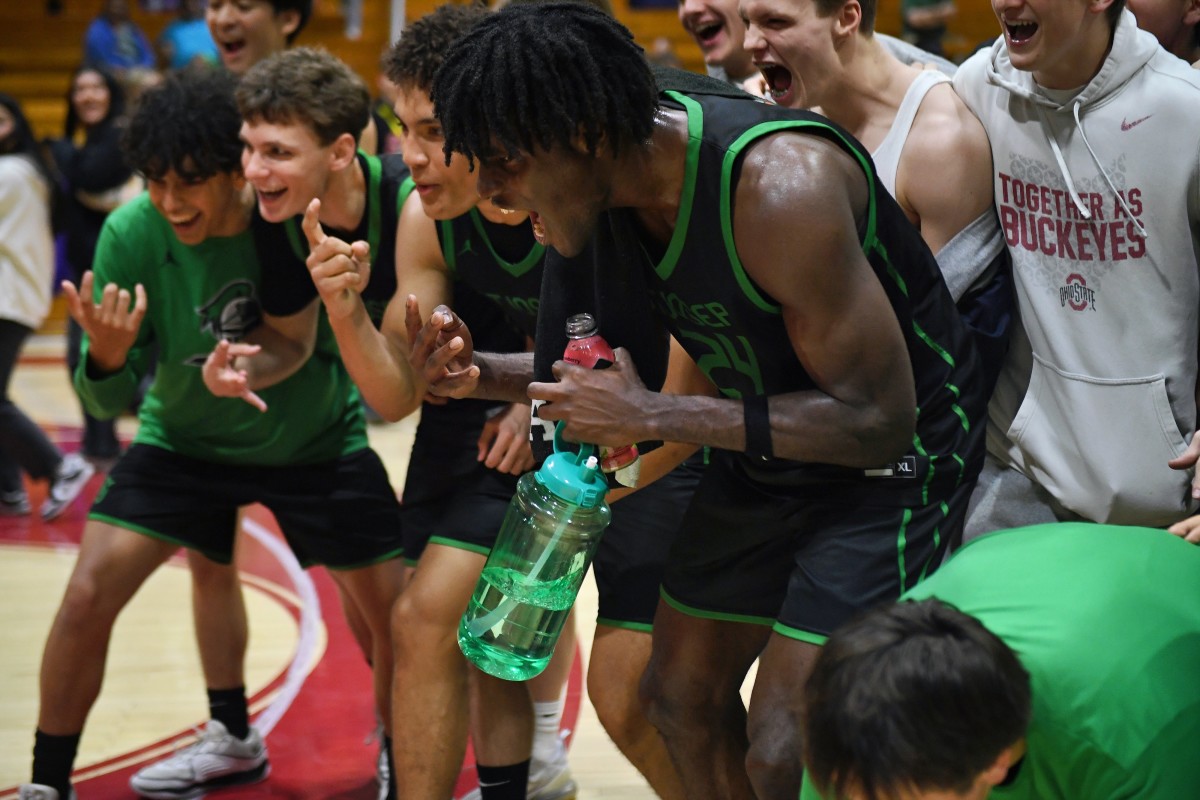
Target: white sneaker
[(68, 481), (383, 771), (548, 780), (36, 791), (551, 780), (218, 759)]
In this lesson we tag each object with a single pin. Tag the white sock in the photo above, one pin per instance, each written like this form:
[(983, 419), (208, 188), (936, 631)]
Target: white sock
[(546, 738)]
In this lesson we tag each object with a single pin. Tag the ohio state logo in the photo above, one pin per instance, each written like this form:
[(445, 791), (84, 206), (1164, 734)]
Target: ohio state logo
[(1076, 294)]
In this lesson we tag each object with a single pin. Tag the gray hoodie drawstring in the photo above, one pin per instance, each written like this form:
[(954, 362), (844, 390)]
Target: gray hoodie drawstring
[(1062, 168)]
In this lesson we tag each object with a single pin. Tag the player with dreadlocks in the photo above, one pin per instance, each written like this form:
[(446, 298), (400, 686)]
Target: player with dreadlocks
[(762, 240)]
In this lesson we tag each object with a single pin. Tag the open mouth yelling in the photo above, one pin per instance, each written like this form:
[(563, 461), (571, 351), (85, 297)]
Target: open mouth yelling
[(269, 201), (708, 34), (539, 227), (779, 82), (1019, 32)]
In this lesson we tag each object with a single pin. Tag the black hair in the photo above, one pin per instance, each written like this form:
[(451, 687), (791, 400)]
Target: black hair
[(303, 6), (415, 57), (542, 74), (188, 124), (914, 696), (22, 142), (116, 99)]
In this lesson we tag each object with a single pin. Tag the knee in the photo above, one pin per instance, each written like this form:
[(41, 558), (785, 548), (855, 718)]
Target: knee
[(417, 629), (617, 706), (673, 704), (774, 758), (84, 607)]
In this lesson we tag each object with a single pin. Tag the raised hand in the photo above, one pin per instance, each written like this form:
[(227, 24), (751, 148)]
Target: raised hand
[(441, 350), (339, 270), (225, 380), (112, 324)]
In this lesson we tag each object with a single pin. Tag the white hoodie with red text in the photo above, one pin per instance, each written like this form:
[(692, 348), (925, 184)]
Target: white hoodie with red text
[(1098, 193)]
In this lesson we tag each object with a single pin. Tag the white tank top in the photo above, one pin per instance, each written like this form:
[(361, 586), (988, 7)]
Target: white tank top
[(887, 155)]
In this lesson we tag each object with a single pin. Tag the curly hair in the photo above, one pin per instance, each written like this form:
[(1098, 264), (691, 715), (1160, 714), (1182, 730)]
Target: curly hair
[(188, 124), (306, 86), (415, 57), (541, 74)]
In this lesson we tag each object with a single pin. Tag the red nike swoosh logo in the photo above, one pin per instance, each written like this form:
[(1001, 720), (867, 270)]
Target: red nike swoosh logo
[(1128, 125)]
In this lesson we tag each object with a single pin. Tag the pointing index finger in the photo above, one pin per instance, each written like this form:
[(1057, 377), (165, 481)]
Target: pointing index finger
[(312, 224)]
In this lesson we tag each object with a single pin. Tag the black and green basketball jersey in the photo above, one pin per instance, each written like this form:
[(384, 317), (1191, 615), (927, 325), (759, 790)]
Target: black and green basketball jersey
[(734, 330), (501, 262), (288, 287)]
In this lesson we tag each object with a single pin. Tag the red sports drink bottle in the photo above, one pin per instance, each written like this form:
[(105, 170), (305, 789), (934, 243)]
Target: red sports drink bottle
[(587, 348)]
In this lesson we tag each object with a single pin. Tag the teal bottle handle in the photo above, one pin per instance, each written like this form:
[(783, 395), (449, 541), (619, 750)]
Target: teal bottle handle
[(561, 446)]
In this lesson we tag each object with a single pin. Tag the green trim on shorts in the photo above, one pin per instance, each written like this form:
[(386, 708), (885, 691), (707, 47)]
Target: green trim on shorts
[(397, 553), (720, 616), (640, 627), (799, 635), (162, 537), (455, 543)]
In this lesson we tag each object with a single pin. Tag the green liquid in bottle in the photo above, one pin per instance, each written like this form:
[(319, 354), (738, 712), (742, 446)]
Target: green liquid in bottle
[(512, 623)]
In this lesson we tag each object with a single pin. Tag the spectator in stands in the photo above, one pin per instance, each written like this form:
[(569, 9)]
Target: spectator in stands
[(247, 31), (95, 179), (26, 272), (115, 42), (186, 39), (924, 23)]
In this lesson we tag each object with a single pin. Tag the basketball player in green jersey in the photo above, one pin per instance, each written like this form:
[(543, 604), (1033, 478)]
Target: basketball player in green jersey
[(177, 270), (763, 241)]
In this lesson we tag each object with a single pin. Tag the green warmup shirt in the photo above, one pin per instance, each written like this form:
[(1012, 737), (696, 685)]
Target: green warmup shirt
[(196, 296), (1106, 619)]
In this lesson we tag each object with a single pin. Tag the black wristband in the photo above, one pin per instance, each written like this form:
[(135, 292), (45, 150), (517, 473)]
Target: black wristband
[(757, 420)]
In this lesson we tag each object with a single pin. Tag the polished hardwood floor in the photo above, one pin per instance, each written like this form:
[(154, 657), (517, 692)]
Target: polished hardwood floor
[(309, 687)]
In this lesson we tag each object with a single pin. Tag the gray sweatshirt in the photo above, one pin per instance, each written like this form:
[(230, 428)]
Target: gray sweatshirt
[(1098, 193)]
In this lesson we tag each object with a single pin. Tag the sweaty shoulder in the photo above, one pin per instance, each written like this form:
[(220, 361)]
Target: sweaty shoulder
[(790, 167)]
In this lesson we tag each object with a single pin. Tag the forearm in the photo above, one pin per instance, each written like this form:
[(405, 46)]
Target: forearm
[(377, 366), (655, 464), (504, 376), (805, 426)]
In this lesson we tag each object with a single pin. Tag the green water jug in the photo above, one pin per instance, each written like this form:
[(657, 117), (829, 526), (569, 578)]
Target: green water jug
[(542, 553)]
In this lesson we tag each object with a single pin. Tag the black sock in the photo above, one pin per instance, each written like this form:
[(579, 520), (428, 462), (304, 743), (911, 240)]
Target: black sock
[(228, 707), (391, 795), (53, 759), (503, 783)]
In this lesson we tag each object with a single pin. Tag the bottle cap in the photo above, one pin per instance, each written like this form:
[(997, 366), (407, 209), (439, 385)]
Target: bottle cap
[(573, 476)]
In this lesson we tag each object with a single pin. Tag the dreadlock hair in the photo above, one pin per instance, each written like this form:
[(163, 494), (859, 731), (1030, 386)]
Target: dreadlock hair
[(306, 86), (188, 125), (415, 57), (535, 75)]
